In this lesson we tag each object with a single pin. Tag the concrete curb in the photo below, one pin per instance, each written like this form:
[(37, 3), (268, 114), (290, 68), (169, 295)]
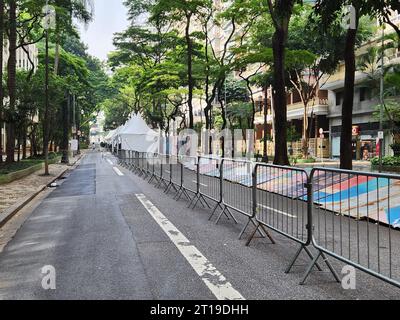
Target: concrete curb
[(9, 213)]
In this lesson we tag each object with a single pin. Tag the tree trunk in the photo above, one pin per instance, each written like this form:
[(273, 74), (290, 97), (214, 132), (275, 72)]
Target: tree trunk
[(24, 138), (57, 57), (34, 146), (64, 141), (280, 102), (46, 113), (1, 76), (346, 152), (190, 70), (19, 146), (11, 82)]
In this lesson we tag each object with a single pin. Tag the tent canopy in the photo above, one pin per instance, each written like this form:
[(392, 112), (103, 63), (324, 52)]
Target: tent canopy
[(109, 136), (136, 135), (136, 125)]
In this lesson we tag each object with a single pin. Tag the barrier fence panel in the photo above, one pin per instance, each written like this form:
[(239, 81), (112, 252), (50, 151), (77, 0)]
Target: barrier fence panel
[(191, 178), (356, 217), (348, 215), (237, 182), (175, 174), (165, 174), (190, 166), (209, 183), (280, 203)]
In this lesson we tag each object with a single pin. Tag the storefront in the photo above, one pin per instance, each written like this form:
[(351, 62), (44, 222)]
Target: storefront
[(364, 144)]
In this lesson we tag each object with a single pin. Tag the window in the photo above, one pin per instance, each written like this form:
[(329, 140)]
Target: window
[(339, 98), (364, 94)]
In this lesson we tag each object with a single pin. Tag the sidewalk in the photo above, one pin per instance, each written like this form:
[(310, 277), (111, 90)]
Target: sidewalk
[(17, 190)]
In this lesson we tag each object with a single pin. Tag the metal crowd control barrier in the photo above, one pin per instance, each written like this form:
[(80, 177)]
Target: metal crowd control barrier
[(280, 204), (348, 215), (209, 178), (191, 179), (164, 172), (174, 173), (178, 173), (236, 185), (353, 214)]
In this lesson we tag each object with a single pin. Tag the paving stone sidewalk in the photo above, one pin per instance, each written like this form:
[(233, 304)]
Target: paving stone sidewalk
[(12, 192)]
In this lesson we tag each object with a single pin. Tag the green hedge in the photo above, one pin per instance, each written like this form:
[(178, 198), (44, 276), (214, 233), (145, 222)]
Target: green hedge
[(387, 161), (18, 170), (18, 166)]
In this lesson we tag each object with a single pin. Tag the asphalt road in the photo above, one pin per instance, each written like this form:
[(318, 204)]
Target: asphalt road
[(109, 234)]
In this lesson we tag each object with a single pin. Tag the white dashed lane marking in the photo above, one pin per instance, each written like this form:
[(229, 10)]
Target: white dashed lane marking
[(118, 172), (277, 211), (213, 279)]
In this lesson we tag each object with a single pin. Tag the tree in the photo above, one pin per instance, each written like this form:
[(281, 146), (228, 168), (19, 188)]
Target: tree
[(329, 10), (281, 12), (82, 10), (178, 11), (11, 79), (2, 8)]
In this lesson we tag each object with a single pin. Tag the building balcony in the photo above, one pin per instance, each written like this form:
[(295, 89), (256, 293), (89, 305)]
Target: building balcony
[(296, 110)]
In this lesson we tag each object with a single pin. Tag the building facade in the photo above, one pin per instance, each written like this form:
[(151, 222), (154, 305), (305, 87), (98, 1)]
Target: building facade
[(25, 58)]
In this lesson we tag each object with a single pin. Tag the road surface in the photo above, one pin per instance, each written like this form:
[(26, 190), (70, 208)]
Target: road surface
[(111, 235)]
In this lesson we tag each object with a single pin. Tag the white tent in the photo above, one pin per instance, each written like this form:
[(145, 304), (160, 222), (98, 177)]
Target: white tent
[(109, 136), (137, 136)]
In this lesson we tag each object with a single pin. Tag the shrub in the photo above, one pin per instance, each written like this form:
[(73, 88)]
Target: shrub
[(387, 161), (17, 166)]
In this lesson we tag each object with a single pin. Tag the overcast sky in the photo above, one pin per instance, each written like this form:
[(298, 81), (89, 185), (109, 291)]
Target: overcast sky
[(110, 17)]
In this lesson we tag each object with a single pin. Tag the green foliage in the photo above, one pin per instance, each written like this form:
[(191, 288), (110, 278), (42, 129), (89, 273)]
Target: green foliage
[(14, 167), (387, 161)]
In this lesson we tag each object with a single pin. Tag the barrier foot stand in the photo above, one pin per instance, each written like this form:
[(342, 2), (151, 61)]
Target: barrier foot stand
[(160, 183), (228, 213), (169, 187), (151, 178), (314, 262), (182, 191), (302, 247), (244, 229), (198, 199), (155, 179), (254, 233), (202, 199), (250, 220), (219, 205), (192, 200), (146, 175)]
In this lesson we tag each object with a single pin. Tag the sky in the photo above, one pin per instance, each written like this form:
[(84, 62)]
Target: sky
[(110, 17)]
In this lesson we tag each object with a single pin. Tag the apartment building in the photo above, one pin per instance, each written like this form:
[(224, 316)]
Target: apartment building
[(25, 57), (366, 123), (325, 112)]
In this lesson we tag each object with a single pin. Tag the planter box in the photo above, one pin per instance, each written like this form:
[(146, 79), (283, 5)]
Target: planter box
[(7, 178)]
